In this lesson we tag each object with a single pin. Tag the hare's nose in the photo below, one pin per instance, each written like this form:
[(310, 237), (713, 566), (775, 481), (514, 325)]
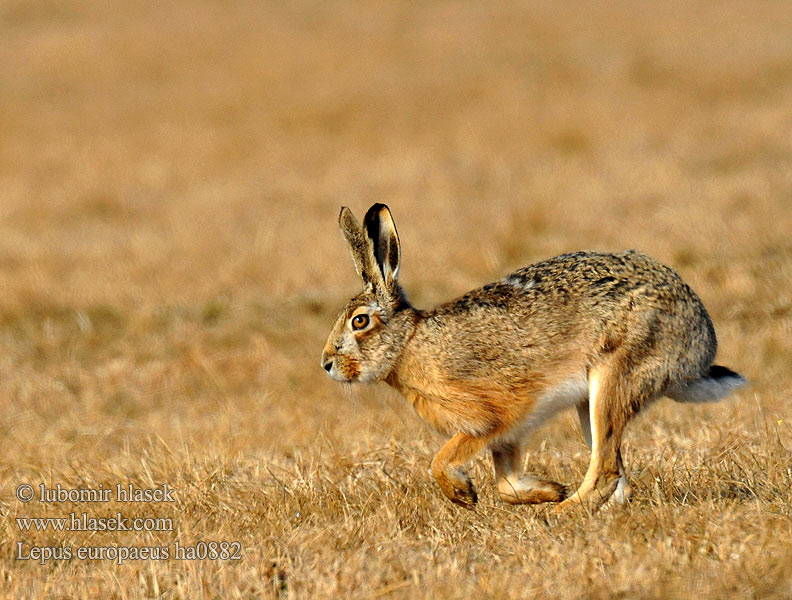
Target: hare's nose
[(327, 362)]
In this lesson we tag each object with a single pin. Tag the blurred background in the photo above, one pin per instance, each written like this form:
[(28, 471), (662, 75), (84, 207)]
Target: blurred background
[(171, 175)]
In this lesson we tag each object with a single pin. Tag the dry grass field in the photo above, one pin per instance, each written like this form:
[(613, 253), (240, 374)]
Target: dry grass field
[(170, 266)]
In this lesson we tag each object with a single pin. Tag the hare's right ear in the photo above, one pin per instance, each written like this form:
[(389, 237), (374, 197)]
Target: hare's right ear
[(381, 231), (360, 246)]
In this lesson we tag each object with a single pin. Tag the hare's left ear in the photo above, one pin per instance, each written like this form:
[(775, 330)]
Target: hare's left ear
[(381, 231), (360, 247)]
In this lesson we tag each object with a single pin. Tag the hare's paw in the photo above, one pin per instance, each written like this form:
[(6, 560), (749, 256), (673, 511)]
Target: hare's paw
[(591, 495), (624, 491), (458, 487), (569, 505), (466, 497), (530, 490)]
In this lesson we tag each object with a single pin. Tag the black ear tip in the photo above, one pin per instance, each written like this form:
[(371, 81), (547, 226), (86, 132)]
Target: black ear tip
[(376, 209), (345, 215)]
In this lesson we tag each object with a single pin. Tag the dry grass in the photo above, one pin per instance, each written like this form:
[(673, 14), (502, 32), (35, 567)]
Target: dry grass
[(170, 175)]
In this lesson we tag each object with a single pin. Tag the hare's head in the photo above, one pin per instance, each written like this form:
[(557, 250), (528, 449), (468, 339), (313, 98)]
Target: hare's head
[(368, 334)]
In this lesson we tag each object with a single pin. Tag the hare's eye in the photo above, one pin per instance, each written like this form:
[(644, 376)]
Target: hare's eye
[(360, 322)]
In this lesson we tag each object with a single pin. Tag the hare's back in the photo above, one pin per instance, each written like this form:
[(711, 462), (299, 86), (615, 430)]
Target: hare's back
[(579, 296), (598, 275), (593, 281)]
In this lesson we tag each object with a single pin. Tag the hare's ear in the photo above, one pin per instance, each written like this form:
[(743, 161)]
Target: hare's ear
[(360, 246), (381, 232)]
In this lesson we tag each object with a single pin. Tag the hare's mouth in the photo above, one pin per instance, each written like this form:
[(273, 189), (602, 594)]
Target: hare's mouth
[(345, 370)]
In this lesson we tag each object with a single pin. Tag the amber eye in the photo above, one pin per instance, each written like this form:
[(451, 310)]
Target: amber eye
[(360, 322)]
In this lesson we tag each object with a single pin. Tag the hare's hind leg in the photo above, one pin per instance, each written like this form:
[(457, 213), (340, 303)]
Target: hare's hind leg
[(624, 491), (517, 488), (610, 407)]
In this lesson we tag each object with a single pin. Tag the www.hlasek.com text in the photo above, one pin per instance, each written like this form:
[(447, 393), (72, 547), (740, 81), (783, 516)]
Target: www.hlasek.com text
[(86, 522)]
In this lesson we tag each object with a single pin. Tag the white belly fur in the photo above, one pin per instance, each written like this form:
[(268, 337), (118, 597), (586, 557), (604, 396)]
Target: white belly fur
[(568, 393)]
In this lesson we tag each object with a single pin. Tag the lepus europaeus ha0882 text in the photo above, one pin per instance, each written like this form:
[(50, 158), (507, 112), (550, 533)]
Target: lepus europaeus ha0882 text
[(605, 333)]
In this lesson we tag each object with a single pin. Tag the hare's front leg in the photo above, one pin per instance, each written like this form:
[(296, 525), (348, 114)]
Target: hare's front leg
[(515, 487), (448, 468)]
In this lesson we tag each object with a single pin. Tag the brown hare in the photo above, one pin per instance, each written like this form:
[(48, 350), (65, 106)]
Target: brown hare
[(605, 333)]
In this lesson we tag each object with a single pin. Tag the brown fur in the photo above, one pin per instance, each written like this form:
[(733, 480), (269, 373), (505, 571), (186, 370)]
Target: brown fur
[(610, 332)]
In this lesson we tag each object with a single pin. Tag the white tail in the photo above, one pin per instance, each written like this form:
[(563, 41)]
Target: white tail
[(718, 383)]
